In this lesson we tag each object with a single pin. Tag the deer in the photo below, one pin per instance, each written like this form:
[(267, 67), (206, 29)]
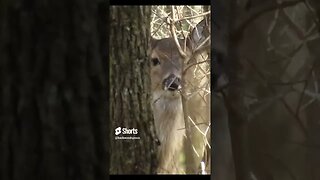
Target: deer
[(172, 72)]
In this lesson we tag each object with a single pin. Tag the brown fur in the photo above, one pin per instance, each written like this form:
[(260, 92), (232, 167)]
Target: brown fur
[(167, 106)]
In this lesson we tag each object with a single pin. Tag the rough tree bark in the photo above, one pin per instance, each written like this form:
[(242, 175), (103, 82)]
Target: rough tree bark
[(53, 90), (129, 86)]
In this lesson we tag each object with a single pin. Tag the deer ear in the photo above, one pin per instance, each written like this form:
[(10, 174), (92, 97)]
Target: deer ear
[(199, 34), (153, 42)]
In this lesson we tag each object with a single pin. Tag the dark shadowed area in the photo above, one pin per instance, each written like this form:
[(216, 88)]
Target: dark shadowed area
[(53, 85), (269, 51)]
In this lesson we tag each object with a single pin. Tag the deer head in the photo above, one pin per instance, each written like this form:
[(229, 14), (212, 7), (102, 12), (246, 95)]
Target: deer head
[(168, 57), (166, 68)]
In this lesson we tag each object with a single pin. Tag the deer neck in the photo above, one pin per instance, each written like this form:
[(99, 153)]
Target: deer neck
[(168, 116)]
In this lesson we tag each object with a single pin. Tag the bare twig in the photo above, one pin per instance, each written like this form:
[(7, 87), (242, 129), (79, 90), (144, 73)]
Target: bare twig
[(174, 35), (260, 10), (282, 100), (193, 64), (195, 16)]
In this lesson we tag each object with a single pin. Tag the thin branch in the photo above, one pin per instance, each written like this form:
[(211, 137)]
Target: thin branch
[(195, 16), (312, 95), (174, 35), (304, 89), (154, 32), (193, 64), (201, 46), (260, 10), (312, 11), (283, 101)]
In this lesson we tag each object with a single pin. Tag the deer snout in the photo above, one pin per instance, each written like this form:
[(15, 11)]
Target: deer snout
[(172, 83)]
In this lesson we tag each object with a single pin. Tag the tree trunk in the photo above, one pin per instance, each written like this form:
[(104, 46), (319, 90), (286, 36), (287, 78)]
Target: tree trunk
[(53, 90), (129, 85)]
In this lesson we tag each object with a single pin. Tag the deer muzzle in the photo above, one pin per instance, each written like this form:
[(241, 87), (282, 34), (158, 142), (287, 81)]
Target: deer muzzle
[(172, 83)]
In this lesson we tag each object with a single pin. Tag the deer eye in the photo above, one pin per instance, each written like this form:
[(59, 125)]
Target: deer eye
[(155, 61)]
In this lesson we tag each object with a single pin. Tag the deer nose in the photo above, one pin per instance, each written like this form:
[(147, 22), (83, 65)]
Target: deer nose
[(172, 83)]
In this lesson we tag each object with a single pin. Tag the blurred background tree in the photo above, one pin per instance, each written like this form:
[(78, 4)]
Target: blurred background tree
[(272, 100), (53, 90)]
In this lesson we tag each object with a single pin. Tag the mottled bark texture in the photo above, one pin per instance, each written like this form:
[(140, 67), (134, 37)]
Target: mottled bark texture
[(130, 90), (53, 90)]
